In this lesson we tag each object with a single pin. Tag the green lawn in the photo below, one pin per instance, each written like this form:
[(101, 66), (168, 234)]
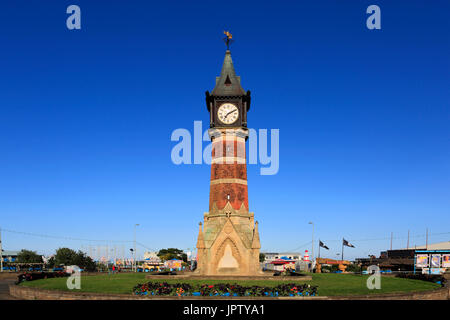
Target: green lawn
[(329, 284)]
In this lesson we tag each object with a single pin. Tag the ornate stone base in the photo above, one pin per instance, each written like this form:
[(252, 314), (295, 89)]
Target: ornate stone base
[(228, 245)]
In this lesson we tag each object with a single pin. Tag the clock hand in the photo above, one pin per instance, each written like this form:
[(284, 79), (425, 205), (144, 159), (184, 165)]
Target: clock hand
[(229, 113)]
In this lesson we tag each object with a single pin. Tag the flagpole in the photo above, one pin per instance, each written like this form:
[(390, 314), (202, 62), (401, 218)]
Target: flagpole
[(319, 248), (342, 254)]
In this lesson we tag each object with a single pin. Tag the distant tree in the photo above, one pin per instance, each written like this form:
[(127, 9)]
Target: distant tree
[(330, 268), (28, 256), (172, 253), (325, 269), (262, 257), (67, 257), (51, 262), (353, 268), (85, 262), (334, 267)]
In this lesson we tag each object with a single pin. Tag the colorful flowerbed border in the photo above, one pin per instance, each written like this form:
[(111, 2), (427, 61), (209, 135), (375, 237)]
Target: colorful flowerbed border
[(224, 289)]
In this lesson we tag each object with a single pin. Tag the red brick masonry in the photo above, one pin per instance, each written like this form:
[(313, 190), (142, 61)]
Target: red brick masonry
[(228, 169)]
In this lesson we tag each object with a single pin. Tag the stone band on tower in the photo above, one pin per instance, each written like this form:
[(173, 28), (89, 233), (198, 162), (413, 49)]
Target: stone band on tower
[(228, 240)]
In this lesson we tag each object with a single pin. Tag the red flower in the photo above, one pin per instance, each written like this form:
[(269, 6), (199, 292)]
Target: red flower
[(211, 286)]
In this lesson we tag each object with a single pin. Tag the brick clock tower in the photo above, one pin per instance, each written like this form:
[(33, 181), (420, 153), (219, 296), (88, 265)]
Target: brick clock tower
[(228, 240)]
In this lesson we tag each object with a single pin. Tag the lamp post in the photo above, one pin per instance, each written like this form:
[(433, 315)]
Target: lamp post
[(132, 254), (312, 245), (134, 247)]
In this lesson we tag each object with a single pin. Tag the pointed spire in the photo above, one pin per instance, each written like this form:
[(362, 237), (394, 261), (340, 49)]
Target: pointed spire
[(200, 240), (243, 209), (256, 244), (228, 207), (228, 84)]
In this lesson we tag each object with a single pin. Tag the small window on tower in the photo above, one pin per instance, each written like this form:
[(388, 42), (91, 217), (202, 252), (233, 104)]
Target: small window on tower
[(228, 81)]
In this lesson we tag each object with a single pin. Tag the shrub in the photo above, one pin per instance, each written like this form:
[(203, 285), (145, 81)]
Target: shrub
[(28, 256), (353, 268), (424, 277), (29, 276)]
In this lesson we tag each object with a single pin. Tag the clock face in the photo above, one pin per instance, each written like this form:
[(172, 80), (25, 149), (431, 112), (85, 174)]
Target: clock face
[(228, 113)]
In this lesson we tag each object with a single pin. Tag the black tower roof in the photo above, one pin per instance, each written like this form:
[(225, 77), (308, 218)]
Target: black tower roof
[(228, 84)]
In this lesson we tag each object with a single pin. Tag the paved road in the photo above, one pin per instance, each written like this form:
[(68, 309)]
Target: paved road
[(4, 289)]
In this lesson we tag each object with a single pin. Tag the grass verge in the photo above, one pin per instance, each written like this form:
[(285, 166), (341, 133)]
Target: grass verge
[(329, 284)]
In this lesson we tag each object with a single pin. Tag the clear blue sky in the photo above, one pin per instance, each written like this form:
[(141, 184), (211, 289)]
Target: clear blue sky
[(86, 118)]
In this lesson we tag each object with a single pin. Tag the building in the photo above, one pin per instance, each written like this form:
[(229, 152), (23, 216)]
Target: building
[(404, 259), (228, 239), (9, 256), (271, 256), (434, 246), (281, 264), (9, 261), (326, 262), (279, 261), (174, 264), (151, 256), (152, 261)]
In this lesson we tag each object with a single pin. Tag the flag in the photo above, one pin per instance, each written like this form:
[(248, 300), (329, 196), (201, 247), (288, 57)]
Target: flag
[(321, 244), (346, 243)]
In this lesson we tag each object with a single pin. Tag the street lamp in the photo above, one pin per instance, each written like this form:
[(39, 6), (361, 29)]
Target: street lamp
[(134, 250), (312, 243)]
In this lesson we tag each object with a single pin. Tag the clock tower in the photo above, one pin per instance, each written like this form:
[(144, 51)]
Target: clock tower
[(228, 240)]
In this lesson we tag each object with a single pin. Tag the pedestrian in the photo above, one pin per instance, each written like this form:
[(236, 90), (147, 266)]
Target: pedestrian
[(113, 269)]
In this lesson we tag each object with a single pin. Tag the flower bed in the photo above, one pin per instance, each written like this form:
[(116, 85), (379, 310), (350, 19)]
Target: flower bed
[(29, 276), (224, 289)]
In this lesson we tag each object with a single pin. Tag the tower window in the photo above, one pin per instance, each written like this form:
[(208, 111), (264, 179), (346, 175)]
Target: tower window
[(228, 81)]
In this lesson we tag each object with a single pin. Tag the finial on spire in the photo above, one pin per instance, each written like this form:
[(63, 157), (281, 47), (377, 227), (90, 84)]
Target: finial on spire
[(228, 39)]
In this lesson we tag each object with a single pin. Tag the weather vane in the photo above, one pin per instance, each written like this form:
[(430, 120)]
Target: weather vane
[(227, 39)]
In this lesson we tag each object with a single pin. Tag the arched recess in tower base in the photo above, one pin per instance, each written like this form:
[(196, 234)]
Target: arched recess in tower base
[(228, 259)]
